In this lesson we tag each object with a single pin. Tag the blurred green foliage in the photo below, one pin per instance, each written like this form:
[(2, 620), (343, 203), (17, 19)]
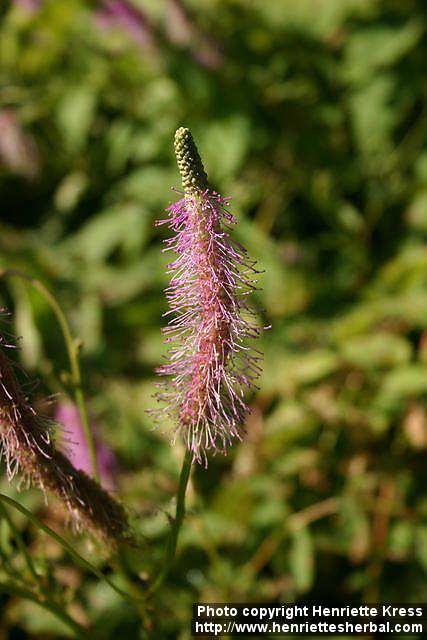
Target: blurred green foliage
[(312, 115)]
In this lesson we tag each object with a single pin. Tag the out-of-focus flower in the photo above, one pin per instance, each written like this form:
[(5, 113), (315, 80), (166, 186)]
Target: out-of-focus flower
[(18, 151), (67, 415), (124, 14), (29, 5), (210, 362), (27, 445), (182, 29)]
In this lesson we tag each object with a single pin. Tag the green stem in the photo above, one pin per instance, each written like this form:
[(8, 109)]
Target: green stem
[(134, 584), (55, 609), (73, 356), (21, 544), (6, 564), (177, 522), (59, 612), (65, 545)]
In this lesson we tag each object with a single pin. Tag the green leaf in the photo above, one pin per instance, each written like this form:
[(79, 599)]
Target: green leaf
[(373, 120), (376, 350), (31, 347), (417, 211), (223, 147), (372, 48), (150, 185), (75, 113), (120, 225), (406, 382), (70, 190), (420, 543), (301, 559), (284, 290), (400, 539)]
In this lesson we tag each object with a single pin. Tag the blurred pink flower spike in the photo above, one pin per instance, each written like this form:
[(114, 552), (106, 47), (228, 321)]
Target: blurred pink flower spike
[(32, 6), (67, 415), (18, 150), (128, 17)]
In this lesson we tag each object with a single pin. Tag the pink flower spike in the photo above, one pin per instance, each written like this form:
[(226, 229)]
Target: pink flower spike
[(28, 445), (210, 363)]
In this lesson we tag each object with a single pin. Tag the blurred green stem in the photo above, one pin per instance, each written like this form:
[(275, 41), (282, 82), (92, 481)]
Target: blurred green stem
[(55, 609), (21, 544), (73, 347), (177, 522), (82, 562)]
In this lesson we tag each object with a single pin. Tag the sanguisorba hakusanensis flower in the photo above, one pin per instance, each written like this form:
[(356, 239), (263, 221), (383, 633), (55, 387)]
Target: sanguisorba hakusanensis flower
[(28, 446), (210, 362)]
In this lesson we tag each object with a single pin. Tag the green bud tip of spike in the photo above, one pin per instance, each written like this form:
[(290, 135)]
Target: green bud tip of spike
[(190, 165)]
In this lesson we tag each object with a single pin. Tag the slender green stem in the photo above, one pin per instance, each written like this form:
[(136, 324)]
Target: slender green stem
[(8, 567), (21, 544), (79, 631), (177, 522), (12, 589), (65, 545), (73, 355), (134, 584)]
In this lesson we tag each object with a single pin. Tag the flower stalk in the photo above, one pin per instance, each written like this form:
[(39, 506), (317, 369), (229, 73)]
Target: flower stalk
[(176, 523)]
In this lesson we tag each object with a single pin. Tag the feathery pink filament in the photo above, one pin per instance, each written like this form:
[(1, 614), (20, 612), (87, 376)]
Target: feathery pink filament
[(209, 362)]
